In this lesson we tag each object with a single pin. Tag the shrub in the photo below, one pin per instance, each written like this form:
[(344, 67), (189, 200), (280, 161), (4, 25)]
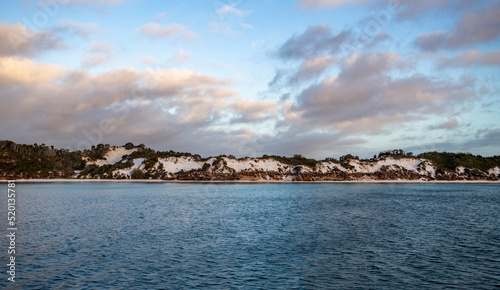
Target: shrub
[(136, 174)]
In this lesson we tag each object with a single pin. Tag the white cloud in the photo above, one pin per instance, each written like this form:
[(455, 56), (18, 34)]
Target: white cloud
[(330, 3), (179, 57), (222, 27), (86, 1), (246, 25), (169, 31), (231, 10)]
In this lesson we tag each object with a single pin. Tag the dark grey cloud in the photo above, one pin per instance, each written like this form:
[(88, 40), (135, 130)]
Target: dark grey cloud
[(475, 27), (277, 81), (410, 9), (485, 138), (314, 41), (319, 47), (307, 143), (402, 9)]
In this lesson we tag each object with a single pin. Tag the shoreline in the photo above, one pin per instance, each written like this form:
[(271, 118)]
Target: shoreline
[(250, 181)]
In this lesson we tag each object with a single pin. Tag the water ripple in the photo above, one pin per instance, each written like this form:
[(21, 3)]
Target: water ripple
[(297, 236)]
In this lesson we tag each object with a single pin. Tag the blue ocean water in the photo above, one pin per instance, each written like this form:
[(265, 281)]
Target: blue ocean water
[(258, 236)]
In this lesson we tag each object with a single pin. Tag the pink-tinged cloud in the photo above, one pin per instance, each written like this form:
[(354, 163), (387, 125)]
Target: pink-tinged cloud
[(365, 98), (311, 68), (475, 27), (151, 106), (472, 58), (16, 39)]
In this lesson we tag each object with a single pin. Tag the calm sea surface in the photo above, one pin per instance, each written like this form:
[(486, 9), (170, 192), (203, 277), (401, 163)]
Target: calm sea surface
[(302, 236)]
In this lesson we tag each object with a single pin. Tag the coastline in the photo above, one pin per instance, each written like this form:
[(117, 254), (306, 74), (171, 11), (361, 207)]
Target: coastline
[(251, 181)]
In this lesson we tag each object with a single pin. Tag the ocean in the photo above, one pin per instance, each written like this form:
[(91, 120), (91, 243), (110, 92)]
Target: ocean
[(254, 236)]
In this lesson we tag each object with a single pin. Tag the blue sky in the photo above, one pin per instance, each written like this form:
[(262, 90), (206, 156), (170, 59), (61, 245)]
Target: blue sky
[(320, 78)]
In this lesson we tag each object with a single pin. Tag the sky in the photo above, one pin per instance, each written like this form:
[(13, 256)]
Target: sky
[(321, 78)]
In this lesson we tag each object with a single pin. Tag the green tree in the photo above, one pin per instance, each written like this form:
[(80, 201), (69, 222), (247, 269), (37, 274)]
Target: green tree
[(136, 174)]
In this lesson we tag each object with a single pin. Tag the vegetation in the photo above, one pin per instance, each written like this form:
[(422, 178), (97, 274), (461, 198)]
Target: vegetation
[(96, 152), (297, 159), (42, 161), (136, 174), (396, 154), (450, 161)]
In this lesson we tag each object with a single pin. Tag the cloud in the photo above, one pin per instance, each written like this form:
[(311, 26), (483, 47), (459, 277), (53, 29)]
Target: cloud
[(311, 68), (230, 19), (277, 81), (484, 138), (475, 27), (83, 30), (169, 31), (226, 28), (401, 9), (231, 10), (364, 65), (249, 111), (16, 39), (160, 15), (76, 108), (246, 25), (148, 60), (101, 47), (365, 98), (21, 71), (411, 9), (332, 4), (315, 40), (311, 144), (472, 58), (90, 60), (179, 57), (86, 1), (101, 52), (451, 124)]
